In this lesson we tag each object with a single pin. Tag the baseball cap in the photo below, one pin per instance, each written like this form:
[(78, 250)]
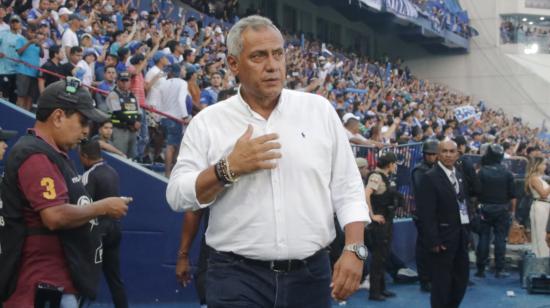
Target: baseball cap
[(57, 96), (158, 55), (64, 11), (15, 18), (6, 134), (348, 116), (174, 69), (123, 76), (361, 162), (74, 17)]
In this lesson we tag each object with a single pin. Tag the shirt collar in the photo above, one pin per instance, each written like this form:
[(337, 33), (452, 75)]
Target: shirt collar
[(41, 136), (246, 106), (448, 171)]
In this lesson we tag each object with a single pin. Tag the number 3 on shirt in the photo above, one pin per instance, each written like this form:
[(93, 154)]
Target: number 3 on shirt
[(48, 183)]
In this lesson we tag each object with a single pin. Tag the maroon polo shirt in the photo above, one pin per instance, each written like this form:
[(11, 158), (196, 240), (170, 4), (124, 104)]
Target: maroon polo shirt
[(43, 259)]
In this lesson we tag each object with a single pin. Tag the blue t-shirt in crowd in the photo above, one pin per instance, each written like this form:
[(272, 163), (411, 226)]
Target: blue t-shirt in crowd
[(8, 43), (209, 96), (31, 55)]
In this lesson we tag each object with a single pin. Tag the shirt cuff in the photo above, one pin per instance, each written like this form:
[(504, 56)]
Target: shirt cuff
[(353, 212), (181, 193)]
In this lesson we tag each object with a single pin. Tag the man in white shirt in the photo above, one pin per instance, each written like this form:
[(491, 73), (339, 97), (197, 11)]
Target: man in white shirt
[(154, 77), (69, 38), (173, 93), (268, 231)]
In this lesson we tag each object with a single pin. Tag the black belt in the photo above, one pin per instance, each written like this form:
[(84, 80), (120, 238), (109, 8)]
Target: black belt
[(279, 266)]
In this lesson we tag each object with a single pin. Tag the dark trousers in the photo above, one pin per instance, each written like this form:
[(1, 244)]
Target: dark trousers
[(111, 262), (232, 281), (450, 273), (422, 256), (496, 218), (200, 276), (7, 87), (380, 248)]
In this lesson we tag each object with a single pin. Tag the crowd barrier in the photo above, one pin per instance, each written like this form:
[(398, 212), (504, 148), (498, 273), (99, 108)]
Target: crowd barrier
[(408, 155)]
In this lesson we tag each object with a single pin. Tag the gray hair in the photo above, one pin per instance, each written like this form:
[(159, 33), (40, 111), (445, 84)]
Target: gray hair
[(234, 37)]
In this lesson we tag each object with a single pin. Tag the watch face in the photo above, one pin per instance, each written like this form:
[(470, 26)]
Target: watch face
[(362, 251)]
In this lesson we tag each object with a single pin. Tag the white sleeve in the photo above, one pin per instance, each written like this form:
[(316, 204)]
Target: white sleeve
[(182, 98), (192, 160), (346, 186)]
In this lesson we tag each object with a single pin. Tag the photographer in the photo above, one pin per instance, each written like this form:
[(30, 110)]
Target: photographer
[(382, 199)]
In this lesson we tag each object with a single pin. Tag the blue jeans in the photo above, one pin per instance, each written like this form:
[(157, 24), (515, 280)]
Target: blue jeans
[(495, 217), (233, 282)]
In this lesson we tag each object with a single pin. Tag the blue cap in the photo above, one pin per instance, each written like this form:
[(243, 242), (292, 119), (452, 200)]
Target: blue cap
[(158, 55)]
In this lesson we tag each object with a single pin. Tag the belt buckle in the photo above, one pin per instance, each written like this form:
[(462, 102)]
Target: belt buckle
[(273, 266)]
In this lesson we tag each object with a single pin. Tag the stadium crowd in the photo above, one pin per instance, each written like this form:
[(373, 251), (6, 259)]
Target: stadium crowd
[(96, 41)]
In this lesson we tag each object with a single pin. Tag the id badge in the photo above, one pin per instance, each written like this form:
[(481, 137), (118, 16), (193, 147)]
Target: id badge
[(463, 209)]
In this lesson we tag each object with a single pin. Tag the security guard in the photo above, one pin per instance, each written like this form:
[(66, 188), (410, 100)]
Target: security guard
[(125, 115), (497, 200), (382, 198), (429, 158)]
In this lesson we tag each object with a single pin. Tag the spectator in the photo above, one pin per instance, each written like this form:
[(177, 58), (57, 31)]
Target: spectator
[(174, 94), (29, 51), (70, 68), (86, 66), (154, 77), (107, 85), (540, 210), (41, 15), (62, 22), (124, 110), (209, 96), (8, 68), (69, 38), (104, 136), (3, 24)]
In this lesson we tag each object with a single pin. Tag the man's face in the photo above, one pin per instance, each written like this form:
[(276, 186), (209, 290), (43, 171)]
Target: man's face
[(3, 147), (261, 64), (124, 84), (2, 12), (110, 74), (15, 25), (44, 5), (216, 80), (448, 153), (364, 171), (70, 130), (110, 61), (106, 131), (430, 158), (76, 57)]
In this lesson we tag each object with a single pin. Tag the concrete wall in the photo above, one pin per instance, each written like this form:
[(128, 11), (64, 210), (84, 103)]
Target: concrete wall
[(489, 72)]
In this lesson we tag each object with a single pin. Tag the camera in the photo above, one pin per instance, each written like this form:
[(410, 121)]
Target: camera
[(72, 85)]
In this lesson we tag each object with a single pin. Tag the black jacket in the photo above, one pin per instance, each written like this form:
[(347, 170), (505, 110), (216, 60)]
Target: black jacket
[(439, 213)]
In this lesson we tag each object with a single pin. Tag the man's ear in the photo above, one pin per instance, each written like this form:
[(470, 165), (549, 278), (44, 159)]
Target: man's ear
[(233, 64), (57, 117)]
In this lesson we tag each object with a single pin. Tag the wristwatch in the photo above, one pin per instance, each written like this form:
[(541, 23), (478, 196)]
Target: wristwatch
[(360, 250)]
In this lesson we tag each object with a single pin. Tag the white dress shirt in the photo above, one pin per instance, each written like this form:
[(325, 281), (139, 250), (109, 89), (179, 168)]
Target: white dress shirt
[(451, 175), (286, 212)]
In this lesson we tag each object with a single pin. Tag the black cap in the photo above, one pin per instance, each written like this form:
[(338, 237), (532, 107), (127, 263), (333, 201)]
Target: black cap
[(57, 96), (6, 134), (74, 17), (123, 76)]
